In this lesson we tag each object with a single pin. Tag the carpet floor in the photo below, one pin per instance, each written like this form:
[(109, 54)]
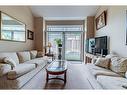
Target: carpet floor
[(76, 79), (75, 62)]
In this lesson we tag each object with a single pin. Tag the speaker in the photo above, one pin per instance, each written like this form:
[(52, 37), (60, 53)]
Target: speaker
[(104, 52)]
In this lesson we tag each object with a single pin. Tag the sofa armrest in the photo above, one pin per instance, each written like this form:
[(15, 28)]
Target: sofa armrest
[(20, 70), (12, 75), (4, 69)]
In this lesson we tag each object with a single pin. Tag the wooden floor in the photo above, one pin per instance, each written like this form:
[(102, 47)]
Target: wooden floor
[(76, 79)]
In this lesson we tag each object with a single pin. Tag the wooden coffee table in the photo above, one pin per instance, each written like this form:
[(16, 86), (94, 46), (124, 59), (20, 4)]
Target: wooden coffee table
[(57, 67)]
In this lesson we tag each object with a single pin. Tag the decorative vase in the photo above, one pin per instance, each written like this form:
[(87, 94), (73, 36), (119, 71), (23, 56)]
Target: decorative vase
[(59, 51)]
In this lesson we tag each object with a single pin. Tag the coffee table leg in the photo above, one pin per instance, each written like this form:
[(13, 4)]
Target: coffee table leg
[(47, 76), (65, 76)]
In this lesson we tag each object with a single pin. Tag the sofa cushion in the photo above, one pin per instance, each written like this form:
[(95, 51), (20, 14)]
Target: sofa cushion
[(20, 70), (110, 82), (33, 54), (37, 61), (11, 55), (23, 56), (4, 68), (10, 61), (102, 62), (119, 65), (95, 70), (105, 72)]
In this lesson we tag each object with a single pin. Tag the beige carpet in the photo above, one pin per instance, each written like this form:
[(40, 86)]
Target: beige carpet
[(76, 79)]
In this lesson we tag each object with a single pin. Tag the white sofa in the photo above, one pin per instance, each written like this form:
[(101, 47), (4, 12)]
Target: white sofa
[(28, 64), (108, 78)]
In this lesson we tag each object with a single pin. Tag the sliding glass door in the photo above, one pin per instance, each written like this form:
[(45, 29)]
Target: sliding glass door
[(73, 46), (71, 43), (71, 37)]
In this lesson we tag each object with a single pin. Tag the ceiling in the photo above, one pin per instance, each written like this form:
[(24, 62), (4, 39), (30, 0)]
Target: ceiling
[(64, 12)]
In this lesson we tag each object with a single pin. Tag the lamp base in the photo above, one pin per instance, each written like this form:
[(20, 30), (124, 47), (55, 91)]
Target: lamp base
[(49, 51)]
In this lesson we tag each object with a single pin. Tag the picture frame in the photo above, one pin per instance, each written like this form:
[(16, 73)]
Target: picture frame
[(101, 20), (30, 35), (11, 29)]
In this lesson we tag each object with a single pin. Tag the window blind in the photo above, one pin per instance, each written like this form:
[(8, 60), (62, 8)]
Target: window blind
[(64, 28)]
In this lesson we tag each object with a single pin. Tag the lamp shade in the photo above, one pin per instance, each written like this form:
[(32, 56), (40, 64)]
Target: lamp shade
[(49, 44)]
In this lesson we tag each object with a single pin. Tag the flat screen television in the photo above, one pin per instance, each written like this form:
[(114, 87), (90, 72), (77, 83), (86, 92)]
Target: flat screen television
[(97, 45)]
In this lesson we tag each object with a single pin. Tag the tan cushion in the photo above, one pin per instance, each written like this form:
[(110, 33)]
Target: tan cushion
[(33, 54), (94, 60), (11, 55), (40, 54), (23, 56), (119, 65), (4, 68), (20, 70), (10, 61), (103, 62)]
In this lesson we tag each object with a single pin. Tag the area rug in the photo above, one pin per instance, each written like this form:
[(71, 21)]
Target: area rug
[(76, 79)]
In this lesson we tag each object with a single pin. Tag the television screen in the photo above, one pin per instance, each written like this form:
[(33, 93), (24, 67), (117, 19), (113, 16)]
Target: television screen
[(97, 45), (101, 44)]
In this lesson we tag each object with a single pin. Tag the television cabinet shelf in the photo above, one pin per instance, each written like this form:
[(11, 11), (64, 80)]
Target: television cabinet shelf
[(89, 57)]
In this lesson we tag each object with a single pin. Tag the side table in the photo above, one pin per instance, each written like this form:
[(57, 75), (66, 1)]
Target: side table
[(50, 55)]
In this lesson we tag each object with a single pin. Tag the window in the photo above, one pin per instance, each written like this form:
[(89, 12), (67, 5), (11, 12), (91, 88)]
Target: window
[(64, 28)]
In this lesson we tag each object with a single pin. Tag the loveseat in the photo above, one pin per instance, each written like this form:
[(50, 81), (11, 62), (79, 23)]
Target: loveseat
[(17, 68), (109, 72)]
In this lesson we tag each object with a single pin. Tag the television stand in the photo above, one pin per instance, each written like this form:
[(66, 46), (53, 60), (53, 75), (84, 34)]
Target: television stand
[(89, 57)]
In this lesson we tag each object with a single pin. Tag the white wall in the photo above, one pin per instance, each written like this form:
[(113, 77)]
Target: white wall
[(23, 14), (115, 28)]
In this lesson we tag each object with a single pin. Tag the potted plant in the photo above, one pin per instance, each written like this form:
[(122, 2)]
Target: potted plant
[(58, 42)]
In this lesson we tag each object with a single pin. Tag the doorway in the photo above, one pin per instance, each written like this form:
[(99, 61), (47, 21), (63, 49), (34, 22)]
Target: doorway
[(72, 40), (71, 44)]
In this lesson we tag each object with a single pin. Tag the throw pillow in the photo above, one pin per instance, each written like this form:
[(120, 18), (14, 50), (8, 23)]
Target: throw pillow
[(94, 60), (23, 56), (33, 54), (103, 62), (40, 54), (10, 61), (119, 65)]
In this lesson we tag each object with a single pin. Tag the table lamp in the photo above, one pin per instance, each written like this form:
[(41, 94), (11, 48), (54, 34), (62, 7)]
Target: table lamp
[(49, 46)]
